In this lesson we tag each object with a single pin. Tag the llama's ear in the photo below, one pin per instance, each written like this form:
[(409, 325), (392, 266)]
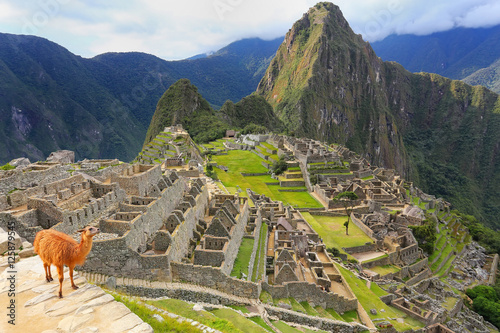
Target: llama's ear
[(81, 230)]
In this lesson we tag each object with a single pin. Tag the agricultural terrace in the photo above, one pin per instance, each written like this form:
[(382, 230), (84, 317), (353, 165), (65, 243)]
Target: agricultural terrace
[(238, 161), (331, 229), (369, 299)]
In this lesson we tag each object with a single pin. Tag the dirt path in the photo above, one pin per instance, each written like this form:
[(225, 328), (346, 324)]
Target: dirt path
[(364, 256), (338, 288), (270, 245)]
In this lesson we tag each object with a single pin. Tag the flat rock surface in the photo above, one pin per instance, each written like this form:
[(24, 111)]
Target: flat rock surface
[(39, 309)]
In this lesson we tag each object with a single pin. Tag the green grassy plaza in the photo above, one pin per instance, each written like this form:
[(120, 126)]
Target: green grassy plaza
[(332, 231), (242, 161)]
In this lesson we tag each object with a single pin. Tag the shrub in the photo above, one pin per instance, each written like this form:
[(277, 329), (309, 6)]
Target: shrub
[(7, 167), (279, 166)]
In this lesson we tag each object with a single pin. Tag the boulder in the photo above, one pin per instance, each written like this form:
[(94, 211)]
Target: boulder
[(62, 156), (4, 240), (20, 162)]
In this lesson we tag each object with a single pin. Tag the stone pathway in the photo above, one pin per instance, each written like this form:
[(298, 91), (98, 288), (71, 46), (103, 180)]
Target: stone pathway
[(38, 308)]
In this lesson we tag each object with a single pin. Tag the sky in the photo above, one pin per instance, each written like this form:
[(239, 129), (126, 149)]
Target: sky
[(179, 29)]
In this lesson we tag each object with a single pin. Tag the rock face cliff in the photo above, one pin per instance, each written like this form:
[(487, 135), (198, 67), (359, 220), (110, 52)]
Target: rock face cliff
[(327, 83)]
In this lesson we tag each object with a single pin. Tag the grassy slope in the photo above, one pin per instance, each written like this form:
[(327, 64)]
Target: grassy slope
[(370, 300), (239, 161)]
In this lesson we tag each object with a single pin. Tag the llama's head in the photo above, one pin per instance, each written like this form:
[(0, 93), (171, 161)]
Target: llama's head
[(89, 231)]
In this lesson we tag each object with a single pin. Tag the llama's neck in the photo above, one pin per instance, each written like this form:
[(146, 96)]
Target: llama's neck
[(84, 247)]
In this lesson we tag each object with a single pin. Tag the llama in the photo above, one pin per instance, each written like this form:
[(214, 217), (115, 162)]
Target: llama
[(58, 249)]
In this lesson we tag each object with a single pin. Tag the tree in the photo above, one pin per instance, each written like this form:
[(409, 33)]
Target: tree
[(348, 199), (279, 166), (210, 171)]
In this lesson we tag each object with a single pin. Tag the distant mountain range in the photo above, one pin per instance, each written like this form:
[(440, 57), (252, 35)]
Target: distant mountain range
[(100, 107), (461, 54), (323, 81)]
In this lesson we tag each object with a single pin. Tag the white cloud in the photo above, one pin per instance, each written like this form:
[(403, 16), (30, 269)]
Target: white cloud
[(175, 30)]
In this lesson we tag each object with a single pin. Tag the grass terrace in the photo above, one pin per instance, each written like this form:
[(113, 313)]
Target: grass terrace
[(369, 299), (239, 161), (240, 322), (385, 269), (332, 230), (260, 257), (243, 258), (268, 146)]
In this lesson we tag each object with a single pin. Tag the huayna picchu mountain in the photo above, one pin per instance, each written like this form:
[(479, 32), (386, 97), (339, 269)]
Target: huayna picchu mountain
[(325, 82), (183, 104)]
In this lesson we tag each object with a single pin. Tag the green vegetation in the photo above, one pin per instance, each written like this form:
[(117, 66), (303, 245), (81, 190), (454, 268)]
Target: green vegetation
[(241, 262), (261, 322), (348, 200), (253, 113), (486, 237), (385, 269), (331, 230), (168, 325), (425, 235), (7, 167), (239, 161), (370, 300), (279, 166), (182, 103), (240, 322), (285, 328), (486, 302), (260, 258)]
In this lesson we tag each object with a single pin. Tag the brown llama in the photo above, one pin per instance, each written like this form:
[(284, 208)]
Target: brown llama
[(58, 249)]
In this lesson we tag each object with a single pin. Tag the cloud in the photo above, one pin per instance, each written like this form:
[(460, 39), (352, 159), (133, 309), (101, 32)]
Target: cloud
[(176, 30)]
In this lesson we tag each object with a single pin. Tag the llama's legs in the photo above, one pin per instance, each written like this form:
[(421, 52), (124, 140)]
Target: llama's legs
[(46, 272), (50, 273), (73, 285), (60, 272)]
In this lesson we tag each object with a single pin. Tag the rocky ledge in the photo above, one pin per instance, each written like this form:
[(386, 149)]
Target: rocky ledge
[(38, 309)]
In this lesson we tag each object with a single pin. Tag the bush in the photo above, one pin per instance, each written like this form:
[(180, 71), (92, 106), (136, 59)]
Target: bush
[(7, 167), (486, 302), (210, 171), (425, 235), (254, 129), (334, 251), (279, 166)]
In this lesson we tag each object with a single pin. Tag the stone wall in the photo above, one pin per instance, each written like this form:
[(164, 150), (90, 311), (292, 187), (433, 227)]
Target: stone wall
[(34, 176), (324, 324), (419, 277), (409, 254), (189, 295), (25, 224), (363, 227), (120, 256), (494, 267), (419, 266), (368, 247), (137, 178), (114, 257), (376, 262), (184, 231), (213, 277), (79, 218), (292, 183), (456, 309), (312, 293), (235, 241)]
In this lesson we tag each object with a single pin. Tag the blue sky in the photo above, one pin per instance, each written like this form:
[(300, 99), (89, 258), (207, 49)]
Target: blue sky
[(179, 29)]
